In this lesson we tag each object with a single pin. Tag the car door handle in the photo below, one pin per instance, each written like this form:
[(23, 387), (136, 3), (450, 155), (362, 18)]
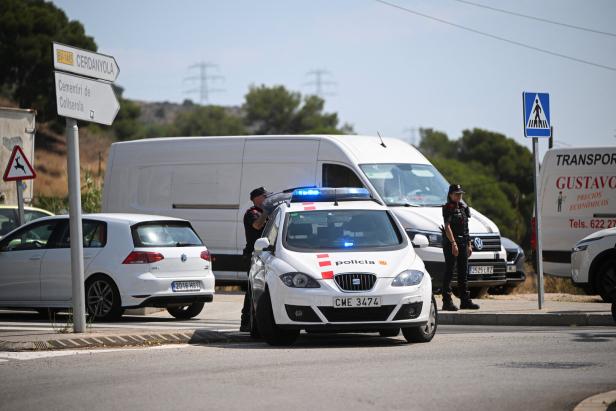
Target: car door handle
[(35, 258)]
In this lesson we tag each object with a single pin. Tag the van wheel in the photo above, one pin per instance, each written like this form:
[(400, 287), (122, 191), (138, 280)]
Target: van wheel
[(270, 332), (392, 332), (478, 292), (605, 282), (185, 312), (426, 332), (103, 299)]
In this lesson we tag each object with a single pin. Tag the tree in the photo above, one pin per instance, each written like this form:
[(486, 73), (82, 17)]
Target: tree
[(275, 110), (208, 121), (28, 29)]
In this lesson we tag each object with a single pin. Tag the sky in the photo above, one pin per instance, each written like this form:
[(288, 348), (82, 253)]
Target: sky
[(393, 71)]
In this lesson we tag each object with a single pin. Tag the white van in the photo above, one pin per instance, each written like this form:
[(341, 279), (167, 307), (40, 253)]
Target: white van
[(207, 180), (578, 197)]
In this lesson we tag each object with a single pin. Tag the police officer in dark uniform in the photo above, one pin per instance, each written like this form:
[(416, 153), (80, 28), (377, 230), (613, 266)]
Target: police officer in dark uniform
[(254, 222), (457, 247)]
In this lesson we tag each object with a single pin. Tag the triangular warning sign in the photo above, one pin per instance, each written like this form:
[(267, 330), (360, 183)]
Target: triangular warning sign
[(536, 115), (19, 167)]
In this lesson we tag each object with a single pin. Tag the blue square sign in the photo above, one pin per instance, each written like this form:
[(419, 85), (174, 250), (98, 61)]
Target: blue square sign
[(536, 114)]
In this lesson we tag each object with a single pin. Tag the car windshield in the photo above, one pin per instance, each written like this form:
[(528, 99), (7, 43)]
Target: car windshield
[(165, 234), (345, 230), (407, 184)]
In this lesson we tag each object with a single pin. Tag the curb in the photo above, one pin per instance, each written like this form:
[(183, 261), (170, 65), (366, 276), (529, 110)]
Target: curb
[(522, 319), (599, 402), (128, 340)]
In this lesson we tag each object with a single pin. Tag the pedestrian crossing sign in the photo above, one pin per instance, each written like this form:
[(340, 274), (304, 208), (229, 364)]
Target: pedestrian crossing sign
[(536, 114)]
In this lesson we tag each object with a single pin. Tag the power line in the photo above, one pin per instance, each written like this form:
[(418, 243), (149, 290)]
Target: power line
[(543, 20), (319, 82), (204, 79), (493, 36)]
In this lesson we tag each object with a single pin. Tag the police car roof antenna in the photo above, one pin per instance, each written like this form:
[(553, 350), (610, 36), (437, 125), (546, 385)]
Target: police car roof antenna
[(382, 142), (335, 197)]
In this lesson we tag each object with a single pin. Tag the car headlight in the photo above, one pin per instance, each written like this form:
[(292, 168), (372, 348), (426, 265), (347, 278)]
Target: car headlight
[(580, 247), (299, 280), (435, 238), (407, 278)]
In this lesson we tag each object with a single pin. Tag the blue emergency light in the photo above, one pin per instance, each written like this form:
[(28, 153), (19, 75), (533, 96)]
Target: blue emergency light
[(324, 194)]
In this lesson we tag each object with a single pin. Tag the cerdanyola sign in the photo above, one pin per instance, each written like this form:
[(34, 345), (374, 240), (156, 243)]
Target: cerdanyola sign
[(84, 62)]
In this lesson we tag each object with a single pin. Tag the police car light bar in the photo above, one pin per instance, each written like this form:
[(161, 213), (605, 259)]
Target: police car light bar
[(329, 194)]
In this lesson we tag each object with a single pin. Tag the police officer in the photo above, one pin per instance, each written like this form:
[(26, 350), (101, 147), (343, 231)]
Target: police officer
[(254, 222), (457, 248)]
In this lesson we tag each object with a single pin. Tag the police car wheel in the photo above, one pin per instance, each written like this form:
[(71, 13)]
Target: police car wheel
[(268, 329), (185, 312), (605, 282), (254, 329), (393, 332), (424, 333)]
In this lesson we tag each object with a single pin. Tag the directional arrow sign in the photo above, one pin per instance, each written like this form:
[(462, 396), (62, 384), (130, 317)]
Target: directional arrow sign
[(86, 63), (84, 99)]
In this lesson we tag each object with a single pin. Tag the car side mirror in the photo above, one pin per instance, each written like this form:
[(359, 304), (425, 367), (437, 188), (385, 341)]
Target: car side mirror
[(262, 244), (420, 241)]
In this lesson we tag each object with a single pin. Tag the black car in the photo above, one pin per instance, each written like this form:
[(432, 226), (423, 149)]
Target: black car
[(515, 267)]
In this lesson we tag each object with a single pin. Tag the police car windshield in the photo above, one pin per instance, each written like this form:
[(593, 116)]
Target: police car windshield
[(344, 230), (407, 184)]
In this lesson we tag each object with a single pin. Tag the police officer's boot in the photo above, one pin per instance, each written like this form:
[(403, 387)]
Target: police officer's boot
[(466, 303), (448, 304)]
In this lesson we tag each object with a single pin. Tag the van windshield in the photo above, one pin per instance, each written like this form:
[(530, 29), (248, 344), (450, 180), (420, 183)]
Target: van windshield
[(407, 184), (342, 230)]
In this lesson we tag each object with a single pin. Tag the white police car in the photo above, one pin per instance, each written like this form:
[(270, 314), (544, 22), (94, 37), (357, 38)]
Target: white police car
[(335, 260)]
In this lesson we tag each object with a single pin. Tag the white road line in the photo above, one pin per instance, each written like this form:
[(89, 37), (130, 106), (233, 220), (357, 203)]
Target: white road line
[(35, 355)]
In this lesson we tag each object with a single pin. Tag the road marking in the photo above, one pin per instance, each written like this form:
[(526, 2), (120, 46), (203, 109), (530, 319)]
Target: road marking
[(36, 355)]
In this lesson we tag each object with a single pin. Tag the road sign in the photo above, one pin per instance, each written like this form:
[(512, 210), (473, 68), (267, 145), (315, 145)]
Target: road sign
[(85, 99), (84, 62), (536, 114), (19, 167)]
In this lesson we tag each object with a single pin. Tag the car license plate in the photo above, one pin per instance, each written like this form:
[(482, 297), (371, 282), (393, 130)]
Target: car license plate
[(481, 269), (354, 302), (181, 286)]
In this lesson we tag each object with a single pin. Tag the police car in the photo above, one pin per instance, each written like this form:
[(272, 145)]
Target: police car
[(335, 260)]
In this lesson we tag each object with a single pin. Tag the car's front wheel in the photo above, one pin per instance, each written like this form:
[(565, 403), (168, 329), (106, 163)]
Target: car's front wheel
[(605, 282), (103, 299), (254, 328), (424, 333), (268, 329), (185, 311)]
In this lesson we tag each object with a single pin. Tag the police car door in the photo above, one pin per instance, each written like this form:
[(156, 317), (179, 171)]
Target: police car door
[(261, 260)]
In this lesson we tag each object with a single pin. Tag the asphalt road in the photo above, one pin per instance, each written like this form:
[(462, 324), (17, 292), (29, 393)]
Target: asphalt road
[(463, 368)]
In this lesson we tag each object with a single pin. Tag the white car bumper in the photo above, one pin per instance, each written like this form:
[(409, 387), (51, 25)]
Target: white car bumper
[(313, 308), (148, 290)]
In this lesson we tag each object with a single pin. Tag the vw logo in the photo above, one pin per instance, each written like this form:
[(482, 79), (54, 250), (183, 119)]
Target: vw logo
[(356, 281), (478, 243), (184, 258)]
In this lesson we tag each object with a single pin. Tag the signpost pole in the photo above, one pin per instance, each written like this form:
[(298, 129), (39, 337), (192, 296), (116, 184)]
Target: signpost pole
[(538, 223), (74, 191), (20, 202)]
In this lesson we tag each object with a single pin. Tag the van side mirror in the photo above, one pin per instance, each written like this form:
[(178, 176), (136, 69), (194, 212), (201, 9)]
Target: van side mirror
[(420, 241), (262, 244)]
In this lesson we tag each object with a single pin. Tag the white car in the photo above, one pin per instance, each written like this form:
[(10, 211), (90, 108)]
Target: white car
[(593, 263), (335, 260), (130, 260)]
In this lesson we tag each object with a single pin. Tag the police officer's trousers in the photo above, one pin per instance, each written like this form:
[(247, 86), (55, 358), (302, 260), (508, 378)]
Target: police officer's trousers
[(462, 265)]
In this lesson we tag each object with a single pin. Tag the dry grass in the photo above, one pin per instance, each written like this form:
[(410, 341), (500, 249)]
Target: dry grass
[(50, 161), (551, 284)]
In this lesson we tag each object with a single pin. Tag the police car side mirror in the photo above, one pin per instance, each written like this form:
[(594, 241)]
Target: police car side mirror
[(420, 241), (262, 244)]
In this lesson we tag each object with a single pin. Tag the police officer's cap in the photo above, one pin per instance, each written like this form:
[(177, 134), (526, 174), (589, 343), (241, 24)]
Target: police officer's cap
[(257, 192), (455, 188)]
